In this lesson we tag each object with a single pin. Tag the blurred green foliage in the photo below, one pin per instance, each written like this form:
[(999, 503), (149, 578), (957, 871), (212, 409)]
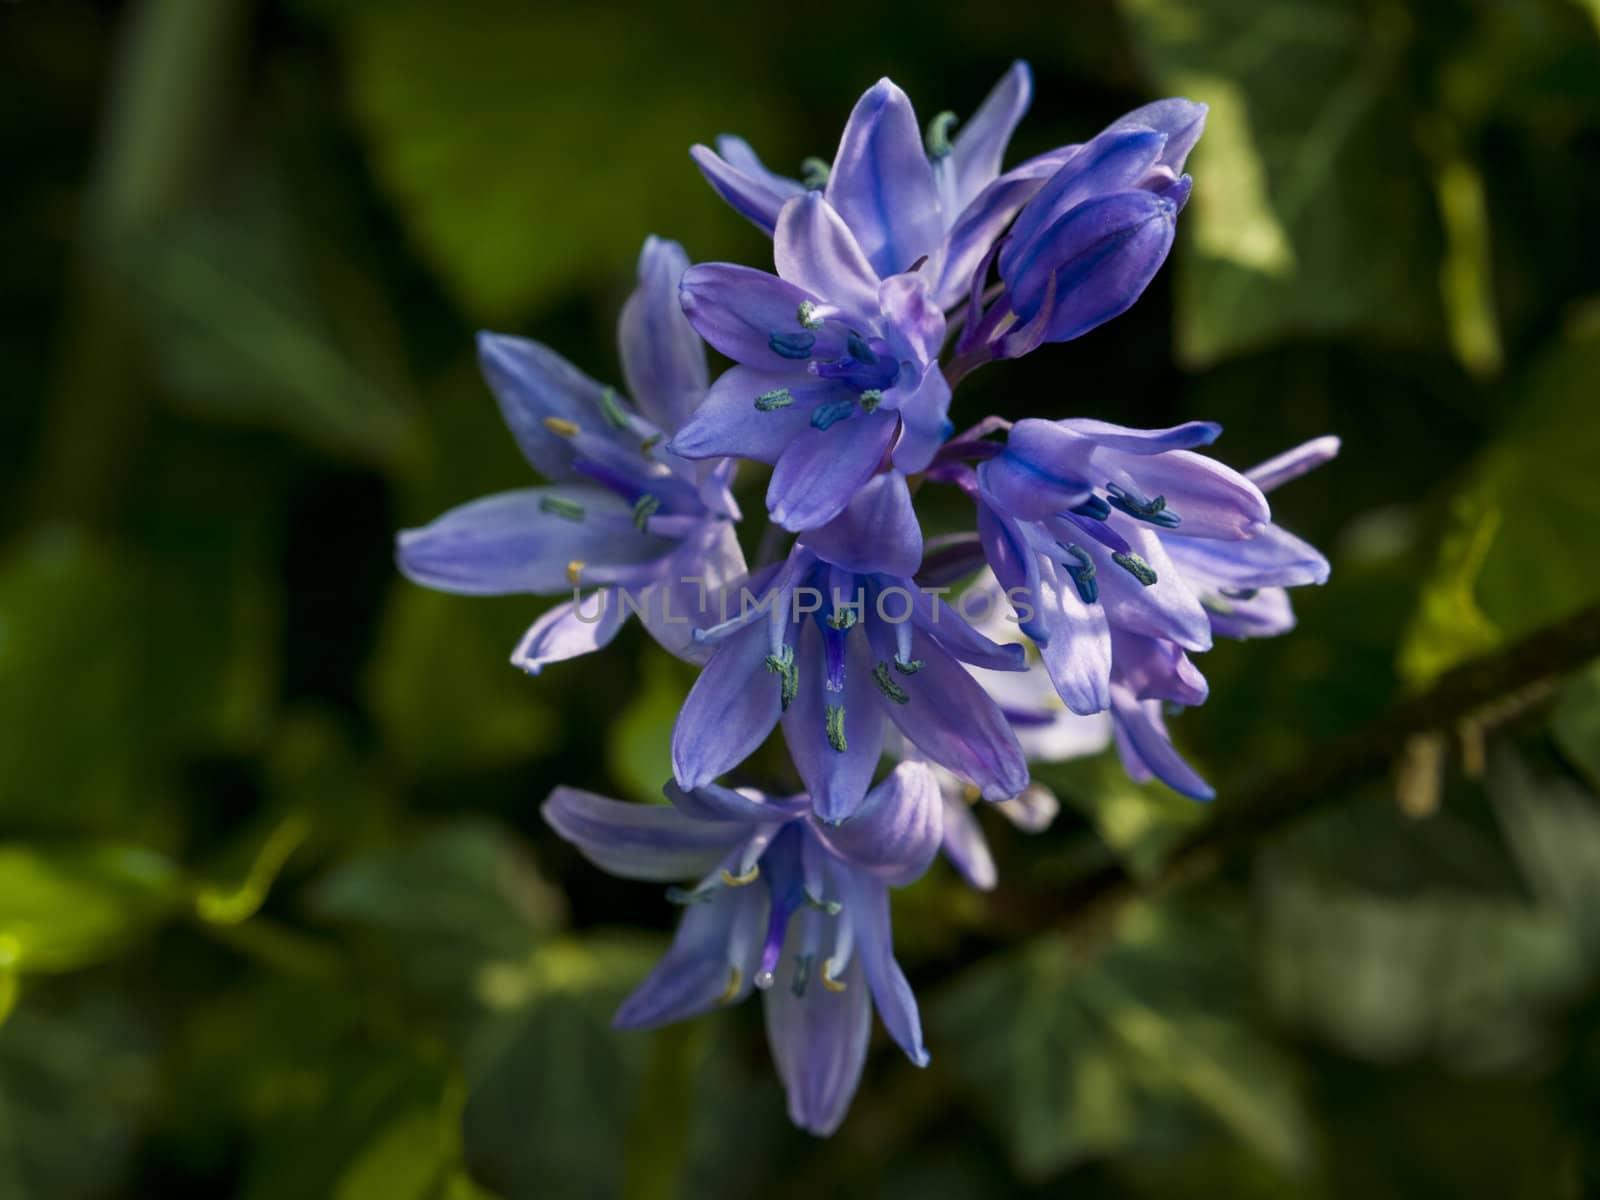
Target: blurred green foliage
[(278, 917)]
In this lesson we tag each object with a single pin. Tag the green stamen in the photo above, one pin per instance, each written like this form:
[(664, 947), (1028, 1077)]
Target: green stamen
[(611, 410), (891, 689), (937, 136), (556, 506), (870, 399), (836, 728), (644, 508), (814, 173), (1137, 567), (774, 400)]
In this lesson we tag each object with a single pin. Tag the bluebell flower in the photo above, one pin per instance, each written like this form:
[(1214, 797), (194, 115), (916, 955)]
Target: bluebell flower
[(1085, 247), (1242, 586), (907, 197), (622, 512), (1046, 731), (785, 904), (837, 369), (839, 651)]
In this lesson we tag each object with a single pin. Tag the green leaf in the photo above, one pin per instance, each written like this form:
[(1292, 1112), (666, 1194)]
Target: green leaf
[(1072, 1059), (1526, 527), (552, 1085), (438, 910), (1296, 169), (62, 907), (77, 1077), (1576, 724), (530, 147)]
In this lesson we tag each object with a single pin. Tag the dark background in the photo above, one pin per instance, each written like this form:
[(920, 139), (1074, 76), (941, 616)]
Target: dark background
[(278, 917)]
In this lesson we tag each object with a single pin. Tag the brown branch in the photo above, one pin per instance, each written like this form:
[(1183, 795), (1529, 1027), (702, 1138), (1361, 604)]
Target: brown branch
[(1478, 691)]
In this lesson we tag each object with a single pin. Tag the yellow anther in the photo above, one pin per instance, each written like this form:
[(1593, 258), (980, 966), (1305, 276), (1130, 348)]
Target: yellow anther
[(732, 990), (733, 880), (561, 427), (828, 981), (970, 793), (573, 567)]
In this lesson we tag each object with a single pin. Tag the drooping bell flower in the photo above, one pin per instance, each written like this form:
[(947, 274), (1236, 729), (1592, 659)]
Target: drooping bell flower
[(621, 513), (784, 904), (837, 370), (839, 643)]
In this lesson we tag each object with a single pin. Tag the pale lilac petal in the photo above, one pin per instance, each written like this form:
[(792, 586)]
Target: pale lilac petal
[(952, 721), (1181, 121), (684, 599), (980, 143), (1077, 656), (739, 309), (1035, 809), (638, 841), (1209, 499), (819, 1045), (976, 229), (1272, 558), (944, 623), (1155, 669), (866, 907), (882, 183), (837, 780), (740, 178), (520, 542), (662, 358), (1015, 567), (1143, 735), (877, 534), (1292, 464), (532, 383), (729, 423), (713, 802), (1168, 608), (1128, 440), (693, 976), (823, 468), (570, 630), (729, 711), (1042, 471), (965, 846), (896, 832), (1266, 614), (925, 420), (916, 323), (815, 250)]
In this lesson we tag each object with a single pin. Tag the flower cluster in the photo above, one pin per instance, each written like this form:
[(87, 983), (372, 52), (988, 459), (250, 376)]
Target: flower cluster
[(1100, 557)]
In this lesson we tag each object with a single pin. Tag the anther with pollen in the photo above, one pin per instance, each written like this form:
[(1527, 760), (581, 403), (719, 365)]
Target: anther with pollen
[(835, 719), (1137, 567), (569, 510)]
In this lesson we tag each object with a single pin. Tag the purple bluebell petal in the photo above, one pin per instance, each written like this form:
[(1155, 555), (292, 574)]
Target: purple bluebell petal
[(1015, 567), (683, 600), (1167, 608), (638, 841), (708, 964), (1211, 500), (941, 621), (916, 324), (525, 541), (1181, 121), (740, 178), (823, 468), (1156, 669), (1292, 464), (1078, 654), (1128, 440), (952, 721), (662, 358), (729, 711), (866, 907), (819, 1045), (924, 420), (964, 843), (730, 423), (976, 229), (1112, 162), (1266, 614), (532, 384), (815, 250), (980, 143), (1098, 259), (1272, 558), (570, 630), (1042, 471), (713, 802), (882, 183), (739, 309), (1142, 738), (896, 832), (836, 779), (878, 533)]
